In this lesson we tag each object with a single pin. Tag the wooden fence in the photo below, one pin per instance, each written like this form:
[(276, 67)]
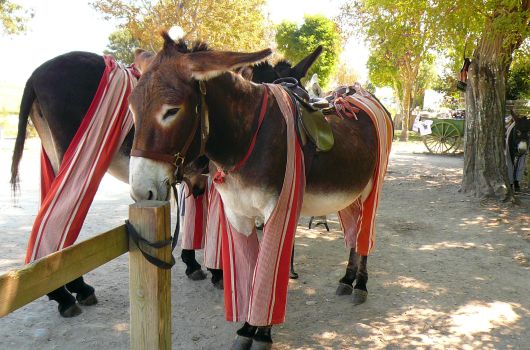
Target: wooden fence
[(149, 286)]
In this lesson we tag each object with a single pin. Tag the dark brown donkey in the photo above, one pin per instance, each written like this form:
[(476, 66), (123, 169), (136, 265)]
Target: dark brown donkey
[(166, 107)]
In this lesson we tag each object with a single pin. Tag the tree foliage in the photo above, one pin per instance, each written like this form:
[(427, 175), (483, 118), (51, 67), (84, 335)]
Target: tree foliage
[(401, 36), (13, 17), (489, 32), (296, 42), (224, 24), (518, 83), (346, 74), (122, 45)]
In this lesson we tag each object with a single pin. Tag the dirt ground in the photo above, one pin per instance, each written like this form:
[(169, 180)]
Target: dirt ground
[(449, 272)]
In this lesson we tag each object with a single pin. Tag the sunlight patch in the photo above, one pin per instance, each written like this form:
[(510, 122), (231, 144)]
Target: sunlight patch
[(479, 317), (121, 327), (448, 245), (409, 282)]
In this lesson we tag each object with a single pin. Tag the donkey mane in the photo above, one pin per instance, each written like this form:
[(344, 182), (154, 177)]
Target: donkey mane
[(283, 63), (182, 46)]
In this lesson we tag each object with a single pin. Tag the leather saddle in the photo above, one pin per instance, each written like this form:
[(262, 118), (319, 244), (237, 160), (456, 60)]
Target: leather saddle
[(311, 121)]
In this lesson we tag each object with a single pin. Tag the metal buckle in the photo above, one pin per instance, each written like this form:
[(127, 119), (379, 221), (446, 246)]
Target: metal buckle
[(179, 160)]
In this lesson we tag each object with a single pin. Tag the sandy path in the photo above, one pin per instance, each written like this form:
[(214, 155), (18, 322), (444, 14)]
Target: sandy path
[(449, 272)]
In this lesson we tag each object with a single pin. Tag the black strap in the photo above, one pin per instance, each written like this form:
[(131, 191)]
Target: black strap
[(139, 241), (309, 149), (177, 226)]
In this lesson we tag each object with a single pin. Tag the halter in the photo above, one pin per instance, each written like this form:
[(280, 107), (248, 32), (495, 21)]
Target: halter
[(177, 160)]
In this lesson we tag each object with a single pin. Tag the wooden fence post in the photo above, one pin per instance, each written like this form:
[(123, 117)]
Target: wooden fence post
[(150, 286)]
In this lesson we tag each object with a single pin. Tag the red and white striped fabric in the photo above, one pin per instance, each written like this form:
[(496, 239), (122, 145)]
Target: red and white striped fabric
[(256, 275), (66, 198), (358, 219), (212, 240), (194, 223)]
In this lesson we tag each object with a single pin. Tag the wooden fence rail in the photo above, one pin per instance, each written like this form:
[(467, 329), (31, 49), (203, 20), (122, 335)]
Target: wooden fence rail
[(150, 287)]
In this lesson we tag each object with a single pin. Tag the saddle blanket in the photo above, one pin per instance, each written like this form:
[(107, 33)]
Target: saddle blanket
[(67, 195), (358, 219), (256, 274)]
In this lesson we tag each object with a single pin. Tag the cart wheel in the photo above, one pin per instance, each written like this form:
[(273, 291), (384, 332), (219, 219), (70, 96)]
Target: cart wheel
[(445, 138)]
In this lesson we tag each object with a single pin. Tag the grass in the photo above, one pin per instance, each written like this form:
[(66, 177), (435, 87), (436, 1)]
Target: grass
[(413, 136)]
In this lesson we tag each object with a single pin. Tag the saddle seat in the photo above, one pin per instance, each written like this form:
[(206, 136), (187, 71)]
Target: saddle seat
[(311, 122)]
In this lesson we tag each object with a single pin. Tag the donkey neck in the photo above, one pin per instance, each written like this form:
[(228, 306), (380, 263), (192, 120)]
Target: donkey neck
[(233, 107)]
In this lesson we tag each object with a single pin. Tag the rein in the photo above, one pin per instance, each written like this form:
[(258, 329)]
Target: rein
[(176, 161)]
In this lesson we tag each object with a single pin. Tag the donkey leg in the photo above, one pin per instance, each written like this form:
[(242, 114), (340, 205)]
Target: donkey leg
[(193, 268), (217, 278), (67, 305), (262, 340), (85, 294), (360, 292), (292, 274), (244, 337), (346, 283)]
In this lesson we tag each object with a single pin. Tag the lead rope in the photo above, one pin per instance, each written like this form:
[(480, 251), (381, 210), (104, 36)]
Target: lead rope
[(176, 233), (140, 241)]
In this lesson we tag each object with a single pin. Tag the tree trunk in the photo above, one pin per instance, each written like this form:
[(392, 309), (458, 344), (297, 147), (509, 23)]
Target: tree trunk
[(405, 110), (485, 171)]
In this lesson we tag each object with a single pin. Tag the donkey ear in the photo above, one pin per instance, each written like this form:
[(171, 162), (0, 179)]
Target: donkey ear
[(246, 72), (142, 59), (515, 116), (205, 65), (300, 70)]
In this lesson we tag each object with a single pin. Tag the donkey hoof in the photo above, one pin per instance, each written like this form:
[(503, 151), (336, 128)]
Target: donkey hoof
[(88, 301), (197, 275), (218, 285), (344, 289), (260, 345), (359, 296), (71, 311), (293, 275), (241, 343)]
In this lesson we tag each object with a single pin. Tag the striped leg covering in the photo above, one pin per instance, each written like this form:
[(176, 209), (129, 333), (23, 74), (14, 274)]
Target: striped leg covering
[(194, 223), (212, 241), (358, 219), (66, 196), (256, 276)]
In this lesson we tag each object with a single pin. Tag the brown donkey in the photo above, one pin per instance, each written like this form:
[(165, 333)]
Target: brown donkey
[(187, 105)]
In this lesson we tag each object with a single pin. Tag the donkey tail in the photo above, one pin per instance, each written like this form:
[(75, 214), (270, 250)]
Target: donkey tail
[(25, 108)]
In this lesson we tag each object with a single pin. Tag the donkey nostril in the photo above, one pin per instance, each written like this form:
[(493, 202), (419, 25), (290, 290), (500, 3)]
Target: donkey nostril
[(150, 196)]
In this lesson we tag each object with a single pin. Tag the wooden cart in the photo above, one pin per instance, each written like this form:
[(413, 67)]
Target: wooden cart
[(446, 135)]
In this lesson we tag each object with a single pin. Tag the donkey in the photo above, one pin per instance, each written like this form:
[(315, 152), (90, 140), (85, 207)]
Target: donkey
[(57, 96), (517, 145), (168, 104)]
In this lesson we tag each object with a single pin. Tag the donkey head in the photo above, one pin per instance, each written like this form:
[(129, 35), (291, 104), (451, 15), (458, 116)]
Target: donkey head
[(166, 105), (521, 133), (265, 72)]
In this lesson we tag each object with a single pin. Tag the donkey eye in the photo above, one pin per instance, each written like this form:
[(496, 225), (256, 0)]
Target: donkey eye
[(518, 133), (170, 113)]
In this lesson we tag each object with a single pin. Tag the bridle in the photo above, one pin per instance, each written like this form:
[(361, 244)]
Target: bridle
[(177, 160)]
